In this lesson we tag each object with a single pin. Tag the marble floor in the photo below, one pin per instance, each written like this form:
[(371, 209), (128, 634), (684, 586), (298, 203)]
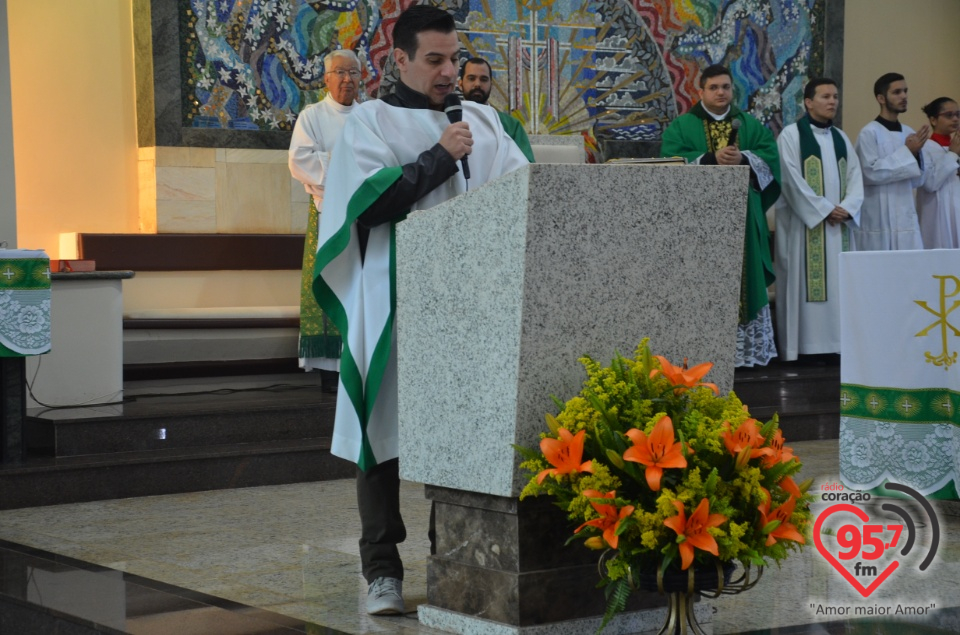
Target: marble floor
[(291, 552)]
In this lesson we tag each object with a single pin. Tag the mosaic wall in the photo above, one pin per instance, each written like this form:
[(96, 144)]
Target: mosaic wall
[(620, 69)]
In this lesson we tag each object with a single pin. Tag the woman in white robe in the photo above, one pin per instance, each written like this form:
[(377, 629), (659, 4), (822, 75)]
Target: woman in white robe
[(938, 199)]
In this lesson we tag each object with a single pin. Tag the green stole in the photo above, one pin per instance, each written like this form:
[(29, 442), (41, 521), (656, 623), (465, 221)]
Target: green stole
[(514, 129), (318, 335), (816, 248)]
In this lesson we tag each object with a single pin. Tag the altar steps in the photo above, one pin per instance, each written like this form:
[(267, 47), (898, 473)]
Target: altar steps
[(805, 394), (178, 436), (174, 436)]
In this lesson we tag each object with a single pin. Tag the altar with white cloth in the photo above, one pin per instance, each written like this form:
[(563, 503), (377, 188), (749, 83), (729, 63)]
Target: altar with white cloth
[(899, 370)]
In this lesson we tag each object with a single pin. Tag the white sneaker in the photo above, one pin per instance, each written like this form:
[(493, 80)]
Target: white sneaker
[(385, 597)]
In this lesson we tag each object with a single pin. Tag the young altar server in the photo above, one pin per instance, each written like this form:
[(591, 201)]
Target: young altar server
[(938, 200), (889, 153)]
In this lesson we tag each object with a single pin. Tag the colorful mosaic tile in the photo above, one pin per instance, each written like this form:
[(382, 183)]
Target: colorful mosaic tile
[(561, 66)]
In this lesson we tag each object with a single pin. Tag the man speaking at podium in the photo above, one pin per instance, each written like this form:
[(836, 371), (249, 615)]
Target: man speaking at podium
[(715, 132), (396, 155)]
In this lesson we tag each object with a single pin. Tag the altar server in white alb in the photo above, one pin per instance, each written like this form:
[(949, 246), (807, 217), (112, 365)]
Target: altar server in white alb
[(397, 155), (938, 200), (316, 132), (892, 167), (820, 199)]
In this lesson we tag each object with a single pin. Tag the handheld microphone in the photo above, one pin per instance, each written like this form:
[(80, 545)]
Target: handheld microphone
[(454, 112), (734, 129)]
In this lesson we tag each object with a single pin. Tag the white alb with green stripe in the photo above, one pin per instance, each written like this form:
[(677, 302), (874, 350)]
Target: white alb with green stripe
[(360, 297)]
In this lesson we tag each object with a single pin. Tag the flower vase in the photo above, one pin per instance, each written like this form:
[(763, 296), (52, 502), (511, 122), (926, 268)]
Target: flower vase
[(683, 587)]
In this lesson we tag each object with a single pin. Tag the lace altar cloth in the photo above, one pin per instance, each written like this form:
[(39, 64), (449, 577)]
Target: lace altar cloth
[(24, 302), (899, 370)]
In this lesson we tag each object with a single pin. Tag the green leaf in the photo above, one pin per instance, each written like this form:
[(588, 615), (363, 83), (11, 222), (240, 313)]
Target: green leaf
[(617, 595), (770, 526), (552, 424), (768, 429), (668, 557), (615, 458), (527, 453), (711, 483)]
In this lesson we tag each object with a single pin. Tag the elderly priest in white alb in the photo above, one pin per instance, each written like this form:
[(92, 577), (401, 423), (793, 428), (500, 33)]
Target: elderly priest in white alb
[(821, 195)]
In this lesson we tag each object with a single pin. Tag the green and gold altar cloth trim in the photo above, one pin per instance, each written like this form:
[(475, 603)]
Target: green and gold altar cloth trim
[(900, 405), (816, 246), (25, 274), (24, 303)]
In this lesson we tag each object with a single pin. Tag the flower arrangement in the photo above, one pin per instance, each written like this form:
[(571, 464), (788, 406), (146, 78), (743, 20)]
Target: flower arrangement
[(654, 467)]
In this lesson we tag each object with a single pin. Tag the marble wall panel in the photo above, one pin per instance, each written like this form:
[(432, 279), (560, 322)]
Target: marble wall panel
[(211, 190), (297, 193), (168, 156), (187, 217), (147, 190), (244, 155), (186, 184), (299, 217), (253, 198)]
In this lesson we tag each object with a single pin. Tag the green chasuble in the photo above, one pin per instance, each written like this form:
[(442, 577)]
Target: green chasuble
[(696, 133), (514, 130)]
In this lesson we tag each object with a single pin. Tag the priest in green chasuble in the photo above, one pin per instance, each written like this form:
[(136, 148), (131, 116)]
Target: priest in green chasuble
[(476, 82), (715, 132)]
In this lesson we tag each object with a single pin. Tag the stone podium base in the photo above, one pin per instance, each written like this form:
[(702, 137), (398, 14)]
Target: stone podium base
[(501, 567), (627, 623)]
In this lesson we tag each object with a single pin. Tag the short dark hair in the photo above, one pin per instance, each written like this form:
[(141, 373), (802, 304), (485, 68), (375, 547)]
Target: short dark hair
[(415, 20), (475, 60), (714, 70), (933, 108), (810, 90), (882, 85)]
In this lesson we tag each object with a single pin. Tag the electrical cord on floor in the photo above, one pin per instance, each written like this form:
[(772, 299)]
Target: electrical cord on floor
[(223, 391), (90, 403)]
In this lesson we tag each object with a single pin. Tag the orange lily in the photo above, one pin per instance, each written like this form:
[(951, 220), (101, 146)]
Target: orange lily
[(790, 487), (692, 532), (785, 530), (745, 442), (780, 453), (682, 377), (564, 454), (610, 517), (656, 452)]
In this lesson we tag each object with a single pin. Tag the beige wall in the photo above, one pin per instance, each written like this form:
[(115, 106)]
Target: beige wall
[(74, 122), (920, 39), (8, 191)]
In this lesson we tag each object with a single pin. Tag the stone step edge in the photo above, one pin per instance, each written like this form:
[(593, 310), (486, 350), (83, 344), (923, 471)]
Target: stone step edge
[(170, 455)]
